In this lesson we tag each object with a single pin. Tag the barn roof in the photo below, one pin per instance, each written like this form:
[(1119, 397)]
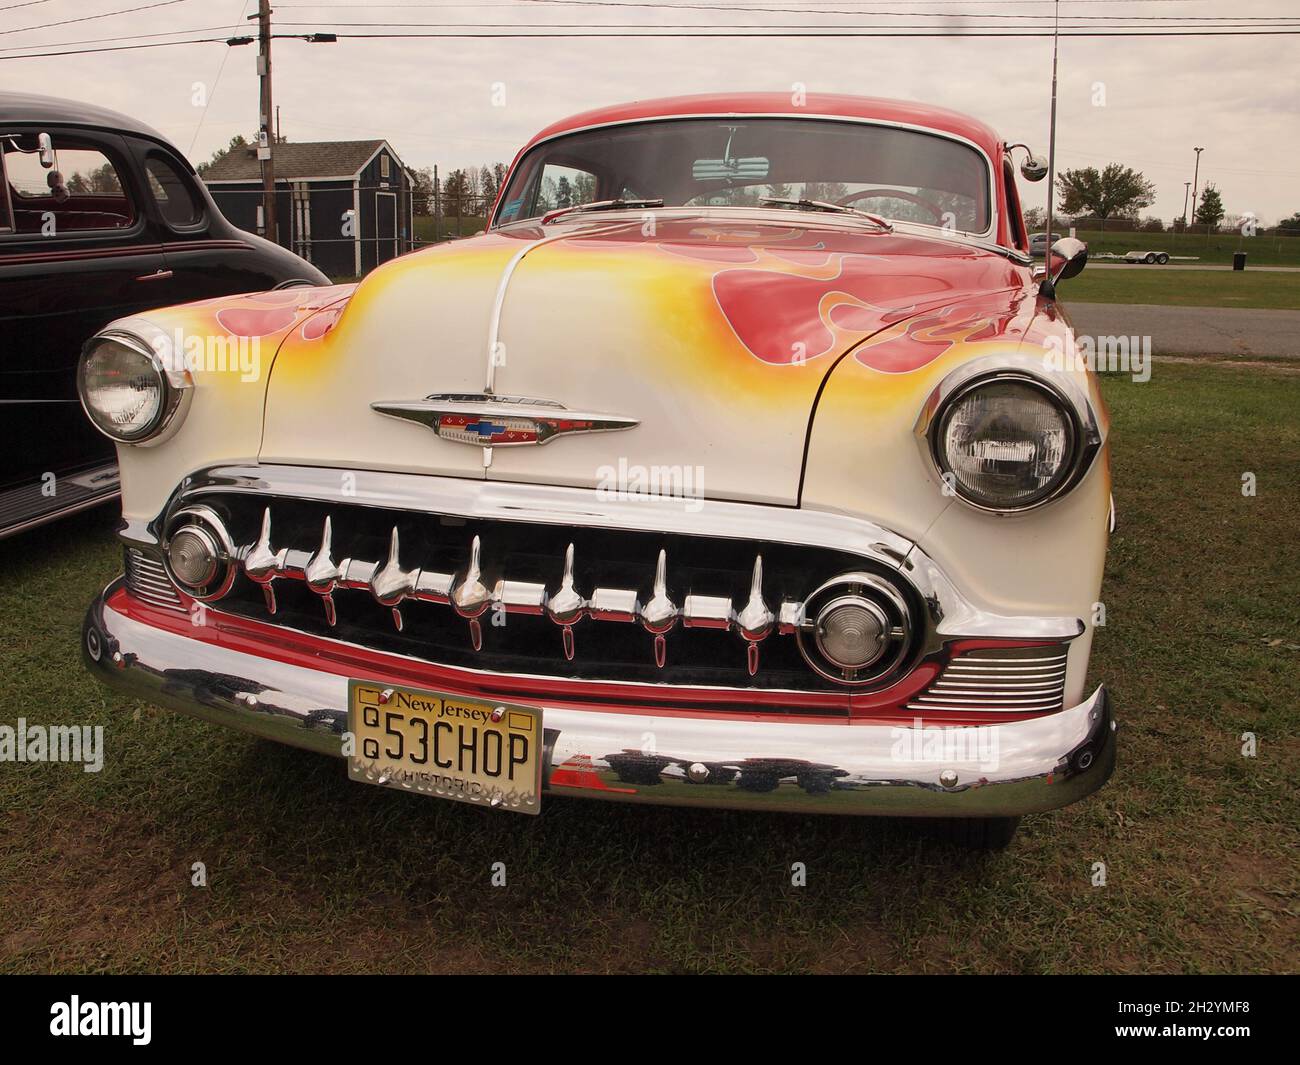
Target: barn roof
[(298, 160)]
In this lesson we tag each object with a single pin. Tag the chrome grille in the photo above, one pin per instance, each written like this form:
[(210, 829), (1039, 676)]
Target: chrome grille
[(1013, 680), (535, 599), (147, 579)]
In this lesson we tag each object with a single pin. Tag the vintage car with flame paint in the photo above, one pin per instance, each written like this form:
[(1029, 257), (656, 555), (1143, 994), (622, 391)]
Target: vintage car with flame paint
[(737, 464)]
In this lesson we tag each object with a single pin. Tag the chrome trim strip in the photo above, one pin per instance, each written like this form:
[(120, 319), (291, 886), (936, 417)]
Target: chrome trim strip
[(499, 302), (555, 505), (859, 768)]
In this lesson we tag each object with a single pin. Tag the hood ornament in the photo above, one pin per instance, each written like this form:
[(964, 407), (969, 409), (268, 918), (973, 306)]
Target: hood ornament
[(489, 421)]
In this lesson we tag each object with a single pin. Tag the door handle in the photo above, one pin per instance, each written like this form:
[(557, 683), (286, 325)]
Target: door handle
[(157, 275)]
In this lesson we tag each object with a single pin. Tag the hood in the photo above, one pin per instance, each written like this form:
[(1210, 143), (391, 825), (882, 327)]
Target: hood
[(710, 336)]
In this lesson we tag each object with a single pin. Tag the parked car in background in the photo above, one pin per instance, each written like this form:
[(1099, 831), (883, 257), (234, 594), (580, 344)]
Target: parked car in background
[(100, 218), (736, 465), (1148, 257)]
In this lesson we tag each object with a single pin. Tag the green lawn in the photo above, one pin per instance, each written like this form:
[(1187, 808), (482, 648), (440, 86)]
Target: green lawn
[(1184, 288), (308, 871)]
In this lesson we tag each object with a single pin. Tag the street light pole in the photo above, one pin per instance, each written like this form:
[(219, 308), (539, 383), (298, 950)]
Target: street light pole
[(266, 134), (1186, 186), (1051, 142), (1195, 174)]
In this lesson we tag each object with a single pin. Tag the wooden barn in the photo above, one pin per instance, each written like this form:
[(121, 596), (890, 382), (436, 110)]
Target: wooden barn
[(317, 184)]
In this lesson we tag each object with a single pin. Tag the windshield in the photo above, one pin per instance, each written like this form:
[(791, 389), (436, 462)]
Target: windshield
[(901, 174)]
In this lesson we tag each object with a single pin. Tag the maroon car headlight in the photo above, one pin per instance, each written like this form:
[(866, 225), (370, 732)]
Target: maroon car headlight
[(126, 386), (1005, 442)]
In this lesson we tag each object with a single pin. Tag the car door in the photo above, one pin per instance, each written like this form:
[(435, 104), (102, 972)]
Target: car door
[(77, 252)]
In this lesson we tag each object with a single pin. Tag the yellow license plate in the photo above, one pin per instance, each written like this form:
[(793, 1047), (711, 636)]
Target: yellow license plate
[(438, 744)]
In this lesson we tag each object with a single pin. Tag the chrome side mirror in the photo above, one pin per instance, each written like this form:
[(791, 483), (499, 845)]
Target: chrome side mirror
[(1067, 258), (1033, 168), (45, 148)]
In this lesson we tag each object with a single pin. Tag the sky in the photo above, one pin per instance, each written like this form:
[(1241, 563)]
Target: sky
[(460, 102)]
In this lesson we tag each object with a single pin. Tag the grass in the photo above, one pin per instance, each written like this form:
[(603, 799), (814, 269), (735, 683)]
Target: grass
[(1185, 288), (1217, 248), (307, 871)]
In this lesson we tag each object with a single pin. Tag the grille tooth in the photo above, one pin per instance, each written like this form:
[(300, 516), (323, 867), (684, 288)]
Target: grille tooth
[(1017, 680), (148, 580)]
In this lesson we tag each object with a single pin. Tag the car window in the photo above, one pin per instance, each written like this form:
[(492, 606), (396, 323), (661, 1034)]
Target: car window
[(83, 191), (171, 192), (907, 175), (563, 186)]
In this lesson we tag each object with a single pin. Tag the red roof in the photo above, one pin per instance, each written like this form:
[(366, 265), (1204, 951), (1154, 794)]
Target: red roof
[(778, 103)]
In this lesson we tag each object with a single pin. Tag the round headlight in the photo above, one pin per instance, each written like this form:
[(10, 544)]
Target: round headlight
[(1006, 443), (123, 388)]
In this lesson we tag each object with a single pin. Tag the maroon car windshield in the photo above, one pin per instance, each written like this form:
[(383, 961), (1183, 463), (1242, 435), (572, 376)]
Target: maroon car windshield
[(739, 161)]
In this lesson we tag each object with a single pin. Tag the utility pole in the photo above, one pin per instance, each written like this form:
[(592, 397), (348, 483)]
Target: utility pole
[(1051, 143), (436, 199), (266, 135), (1195, 174)]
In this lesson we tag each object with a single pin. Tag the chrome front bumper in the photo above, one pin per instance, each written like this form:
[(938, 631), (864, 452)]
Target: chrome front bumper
[(721, 761)]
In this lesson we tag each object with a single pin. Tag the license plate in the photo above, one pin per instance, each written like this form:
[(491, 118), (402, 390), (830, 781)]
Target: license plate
[(438, 744)]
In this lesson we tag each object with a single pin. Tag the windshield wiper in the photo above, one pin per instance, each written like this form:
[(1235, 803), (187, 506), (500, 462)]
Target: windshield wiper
[(600, 205), (826, 205)]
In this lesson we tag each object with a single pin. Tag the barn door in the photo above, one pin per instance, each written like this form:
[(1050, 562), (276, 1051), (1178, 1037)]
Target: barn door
[(385, 226)]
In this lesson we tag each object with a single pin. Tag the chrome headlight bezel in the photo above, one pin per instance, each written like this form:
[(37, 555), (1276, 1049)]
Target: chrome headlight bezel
[(176, 384), (204, 520), (1077, 410)]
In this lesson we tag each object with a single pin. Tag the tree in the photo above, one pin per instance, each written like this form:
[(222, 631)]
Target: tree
[(1115, 192), (1209, 212), (456, 189), (422, 190), (237, 143), (1291, 224)]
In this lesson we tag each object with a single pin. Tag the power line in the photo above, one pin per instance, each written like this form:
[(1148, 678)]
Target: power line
[(722, 33), (107, 40), (828, 11), (114, 48), (1290, 23), (217, 80), (91, 18)]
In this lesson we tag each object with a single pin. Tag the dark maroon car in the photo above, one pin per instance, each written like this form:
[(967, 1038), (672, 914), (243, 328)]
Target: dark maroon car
[(100, 217)]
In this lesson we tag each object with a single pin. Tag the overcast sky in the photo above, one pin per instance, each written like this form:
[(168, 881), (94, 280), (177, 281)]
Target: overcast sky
[(433, 99)]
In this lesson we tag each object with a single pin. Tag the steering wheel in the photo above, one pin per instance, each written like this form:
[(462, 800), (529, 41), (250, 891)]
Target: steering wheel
[(934, 210)]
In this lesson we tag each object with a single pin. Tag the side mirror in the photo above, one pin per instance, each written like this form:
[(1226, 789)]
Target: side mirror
[(1067, 258), (1034, 168), (45, 148)]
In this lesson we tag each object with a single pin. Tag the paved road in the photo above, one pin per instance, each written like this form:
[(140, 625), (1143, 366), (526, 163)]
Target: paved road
[(1232, 331)]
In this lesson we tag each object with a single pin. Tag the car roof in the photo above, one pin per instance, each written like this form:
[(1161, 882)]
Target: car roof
[(32, 109), (904, 112)]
